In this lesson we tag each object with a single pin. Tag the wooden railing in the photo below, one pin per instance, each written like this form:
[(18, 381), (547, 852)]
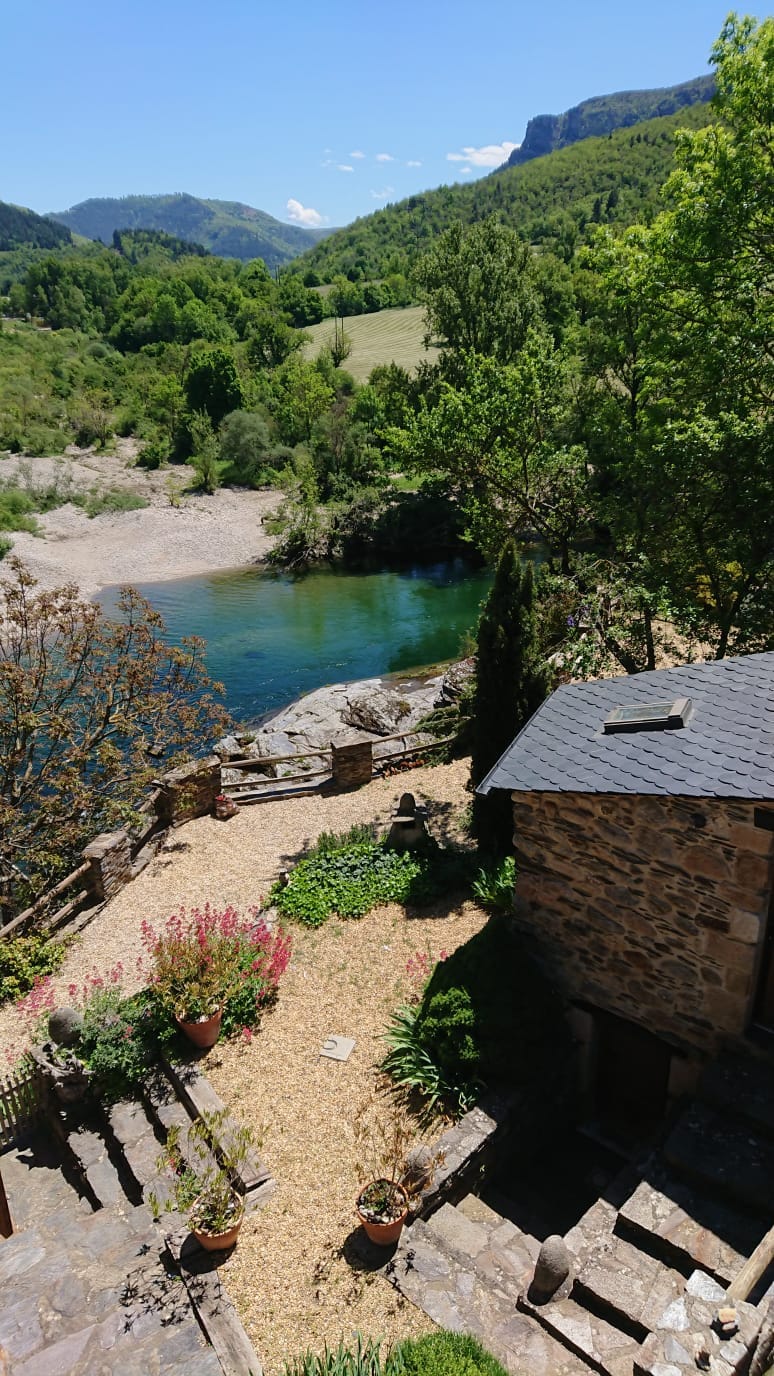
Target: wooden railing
[(53, 920)]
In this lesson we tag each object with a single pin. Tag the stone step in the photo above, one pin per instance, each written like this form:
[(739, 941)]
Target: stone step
[(724, 1155), (492, 1246), (742, 1087), (606, 1348), (450, 1292), (108, 1182), (688, 1228), (626, 1285)]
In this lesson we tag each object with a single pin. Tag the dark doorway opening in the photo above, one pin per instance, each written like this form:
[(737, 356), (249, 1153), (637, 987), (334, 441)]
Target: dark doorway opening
[(630, 1079), (764, 999)]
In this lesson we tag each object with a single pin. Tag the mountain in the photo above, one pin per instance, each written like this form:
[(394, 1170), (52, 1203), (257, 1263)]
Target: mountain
[(24, 229), (602, 114), (553, 201), (227, 228)]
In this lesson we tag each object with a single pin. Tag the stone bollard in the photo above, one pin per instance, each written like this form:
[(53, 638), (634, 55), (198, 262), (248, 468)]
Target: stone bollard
[(553, 1268), (110, 862), (353, 763)]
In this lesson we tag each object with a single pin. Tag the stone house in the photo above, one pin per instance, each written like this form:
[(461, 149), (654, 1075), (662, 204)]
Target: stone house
[(643, 811)]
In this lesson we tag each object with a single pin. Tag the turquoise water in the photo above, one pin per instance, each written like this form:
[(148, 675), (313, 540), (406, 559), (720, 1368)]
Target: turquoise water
[(273, 636)]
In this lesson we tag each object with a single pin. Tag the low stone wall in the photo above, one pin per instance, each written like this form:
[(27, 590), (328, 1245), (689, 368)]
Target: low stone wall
[(650, 907), (189, 791)]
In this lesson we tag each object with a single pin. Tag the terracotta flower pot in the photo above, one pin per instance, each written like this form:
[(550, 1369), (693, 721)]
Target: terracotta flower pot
[(204, 1032), (383, 1234), (219, 1242)]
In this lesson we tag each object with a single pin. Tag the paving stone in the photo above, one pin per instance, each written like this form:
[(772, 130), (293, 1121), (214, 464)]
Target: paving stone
[(710, 1233), (104, 1181), (141, 1157), (600, 1343), (458, 1231), (742, 1087), (20, 1330), (724, 1154), (128, 1120)]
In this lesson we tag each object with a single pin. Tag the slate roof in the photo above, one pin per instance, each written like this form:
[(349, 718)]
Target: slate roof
[(725, 749)]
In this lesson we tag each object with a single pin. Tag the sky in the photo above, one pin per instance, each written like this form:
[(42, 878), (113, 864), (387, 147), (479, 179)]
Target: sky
[(314, 112)]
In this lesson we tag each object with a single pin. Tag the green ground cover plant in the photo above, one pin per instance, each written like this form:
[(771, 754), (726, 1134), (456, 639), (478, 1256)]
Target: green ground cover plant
[(24, 960), (352, 879), (434, 1354)]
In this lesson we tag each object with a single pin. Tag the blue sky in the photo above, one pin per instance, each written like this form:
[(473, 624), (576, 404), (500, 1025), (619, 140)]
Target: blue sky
[(315, 112)]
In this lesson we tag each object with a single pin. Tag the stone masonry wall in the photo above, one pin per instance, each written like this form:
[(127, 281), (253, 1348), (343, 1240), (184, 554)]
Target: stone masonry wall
[(653, 908)]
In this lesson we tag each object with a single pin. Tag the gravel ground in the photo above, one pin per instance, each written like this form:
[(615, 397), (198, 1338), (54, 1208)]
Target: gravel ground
[(295, 1276), (160, 541)]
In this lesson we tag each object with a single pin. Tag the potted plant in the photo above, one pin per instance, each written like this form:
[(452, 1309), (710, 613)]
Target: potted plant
[(388, 1175), (205, 1165), (197, 964)]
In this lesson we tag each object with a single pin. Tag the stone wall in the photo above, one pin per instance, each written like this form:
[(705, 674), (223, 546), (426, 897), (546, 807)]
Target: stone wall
[(189, 791), (110, 858), (650, 907)]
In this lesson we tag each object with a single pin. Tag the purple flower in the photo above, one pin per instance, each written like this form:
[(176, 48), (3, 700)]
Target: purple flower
[(571, 621)]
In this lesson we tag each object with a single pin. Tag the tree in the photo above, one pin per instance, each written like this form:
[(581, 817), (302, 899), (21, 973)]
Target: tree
[(90, 710), (511, 683), (204, 452), (478, 290), (212, 384)]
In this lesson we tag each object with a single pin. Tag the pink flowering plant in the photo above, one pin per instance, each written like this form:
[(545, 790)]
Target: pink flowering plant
[(208, 958)]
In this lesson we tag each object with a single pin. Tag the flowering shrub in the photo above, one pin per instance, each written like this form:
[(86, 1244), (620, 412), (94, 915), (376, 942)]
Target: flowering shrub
[(208, 959)]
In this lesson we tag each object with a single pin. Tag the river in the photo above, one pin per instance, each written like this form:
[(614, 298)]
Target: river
[(273, 636)]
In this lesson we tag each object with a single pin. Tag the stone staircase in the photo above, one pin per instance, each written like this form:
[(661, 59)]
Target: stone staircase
[(652, 1256), (92, 1285)]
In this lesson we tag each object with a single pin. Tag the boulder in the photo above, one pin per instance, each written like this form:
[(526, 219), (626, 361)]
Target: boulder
[(65, 1026), (552, 1268), (380, 712), (229, 748)]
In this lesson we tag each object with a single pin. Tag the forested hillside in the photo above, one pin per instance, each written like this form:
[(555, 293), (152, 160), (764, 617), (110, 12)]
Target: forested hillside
[(555, 201), (227, 228), (600, 115), (23, 228)]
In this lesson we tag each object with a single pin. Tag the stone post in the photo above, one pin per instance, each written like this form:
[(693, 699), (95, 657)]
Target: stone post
[(110, 860), (189, 791), (353, 763)]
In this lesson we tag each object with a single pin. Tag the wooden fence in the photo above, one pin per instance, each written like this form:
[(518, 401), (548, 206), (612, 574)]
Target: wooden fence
[(22, 1102)]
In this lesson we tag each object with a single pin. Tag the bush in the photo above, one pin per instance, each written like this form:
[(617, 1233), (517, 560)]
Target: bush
[(353, 879), (96, 502), (122, 1038), (486, 1015), (6, 546), (445, 1354), (23, 960)]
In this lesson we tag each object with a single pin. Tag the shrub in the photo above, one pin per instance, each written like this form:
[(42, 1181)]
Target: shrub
[(122, 1038), (23, 960), (487, 1015), (445, 1354), (94, 502), (6, 546)]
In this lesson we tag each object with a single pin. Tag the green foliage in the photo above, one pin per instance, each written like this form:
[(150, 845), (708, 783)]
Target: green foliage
[(445, 1354), (362, 1360), (212, 385), (16, 509), (511, 682), (204, 452), (486, 1016), (97, 501), (23, 227), (24, 960), (122, 1038), (493, 886), (354, 878)]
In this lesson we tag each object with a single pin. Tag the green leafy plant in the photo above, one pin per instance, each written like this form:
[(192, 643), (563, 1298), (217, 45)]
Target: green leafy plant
[(444, 1354), (412, 1063), (204, 1170), (362, 1360), (122, 1038), (352, 879), (494, 885), (23, 960)]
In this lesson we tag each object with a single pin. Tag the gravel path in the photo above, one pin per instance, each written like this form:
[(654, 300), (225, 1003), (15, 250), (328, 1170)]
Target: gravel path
[(296, 1276)]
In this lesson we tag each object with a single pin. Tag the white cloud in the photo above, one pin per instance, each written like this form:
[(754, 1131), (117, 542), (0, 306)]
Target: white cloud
[(344, 167), (413, 162), (384, 194), (356, 153), (384, 157), (490, 155), (304, 215), (466, 169)]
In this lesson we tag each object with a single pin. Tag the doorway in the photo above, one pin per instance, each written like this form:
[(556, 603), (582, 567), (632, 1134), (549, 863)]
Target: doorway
[(631, 1079)]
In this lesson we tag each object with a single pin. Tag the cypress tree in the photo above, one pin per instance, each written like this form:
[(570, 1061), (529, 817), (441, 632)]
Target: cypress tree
[(511, 683)]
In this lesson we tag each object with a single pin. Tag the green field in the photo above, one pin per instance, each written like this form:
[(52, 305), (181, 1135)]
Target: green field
[(394, 336)]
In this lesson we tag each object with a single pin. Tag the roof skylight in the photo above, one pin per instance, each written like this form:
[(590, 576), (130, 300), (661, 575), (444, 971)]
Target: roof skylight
[(649, 716)]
